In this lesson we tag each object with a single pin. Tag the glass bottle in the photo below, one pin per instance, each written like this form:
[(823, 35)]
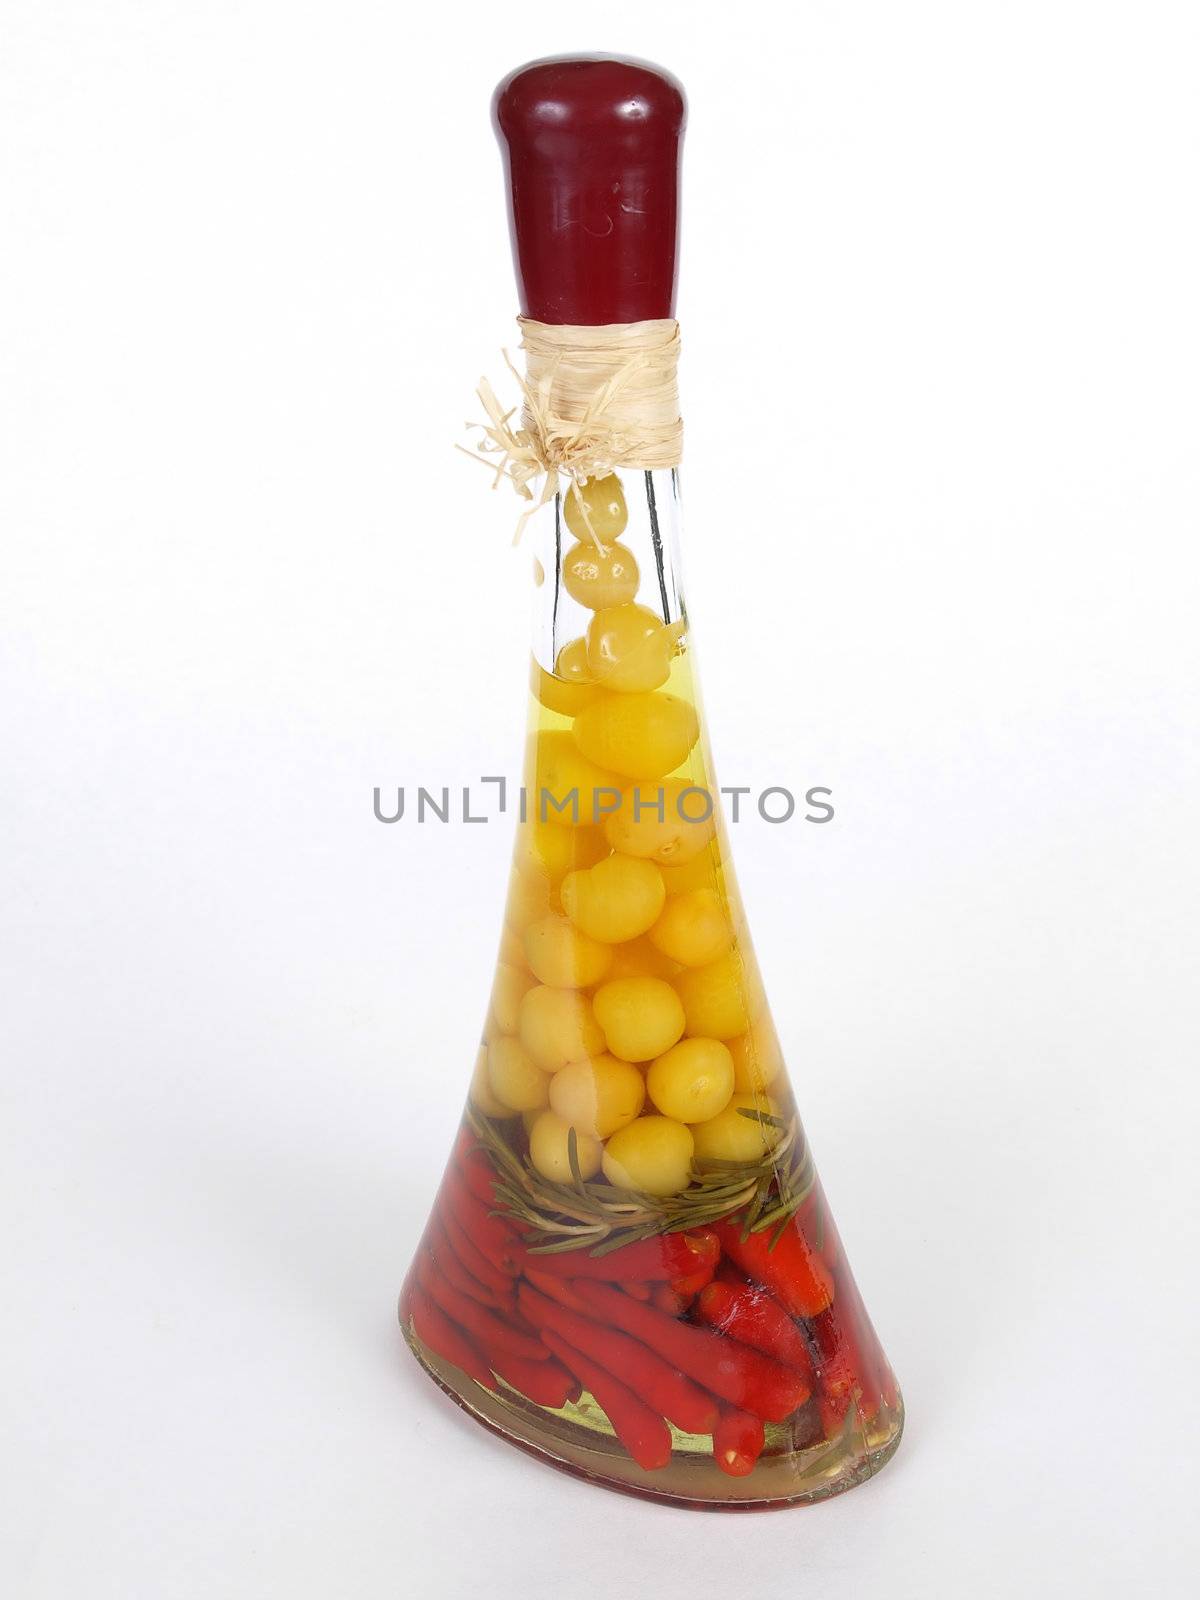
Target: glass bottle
[(630, 1269)]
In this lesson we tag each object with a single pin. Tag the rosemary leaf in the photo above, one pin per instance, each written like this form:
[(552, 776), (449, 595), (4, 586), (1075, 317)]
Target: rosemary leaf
[(573, 1157), (559, 1247), (761, 1116), (596, 1217)]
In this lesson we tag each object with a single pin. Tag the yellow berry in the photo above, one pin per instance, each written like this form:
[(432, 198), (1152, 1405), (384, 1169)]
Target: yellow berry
[(562, 956), (615, 900), (542, 848), (641, 1017), (567, 787), (515, 1079), (693, 1081), (629, 649), (512, 948), (729, 1136), (670, 821), (480, 1093), (561, 691), (549, 1142), (606, 510), (598, 1097), (508, 986), (557, 1026), (529, 897), (721, 998), (571, 663), (693, 929), (639, 735), (653, 1155), (597, 577), (701, 872), (757, 1056), (637, 958)]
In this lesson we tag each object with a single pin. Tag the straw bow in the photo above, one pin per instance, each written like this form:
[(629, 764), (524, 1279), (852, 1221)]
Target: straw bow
[(548, 446)]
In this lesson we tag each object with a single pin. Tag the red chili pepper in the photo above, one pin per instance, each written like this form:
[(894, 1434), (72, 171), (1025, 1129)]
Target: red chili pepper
[(493, 1336), (556, 1288), (737, 1442), (745, 1377), (639, 1291), (436, 1330), (546, 1383), (848, 1358), (665, 1299), (667, 1256), (711, 1245), (797, 1277), (471, 1162), (691, 1285), (455, 1273), (479, 1175), (751, 1315), (472, 1259), (488, 1234), (816, 1223), (661, 1386), (644, 1435), (675, 1297)]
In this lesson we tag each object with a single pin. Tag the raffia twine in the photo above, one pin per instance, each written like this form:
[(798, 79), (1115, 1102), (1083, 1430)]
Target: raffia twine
[(595, 399)]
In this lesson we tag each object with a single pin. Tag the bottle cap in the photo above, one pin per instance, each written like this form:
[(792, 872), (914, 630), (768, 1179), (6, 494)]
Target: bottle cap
[(591, 146)]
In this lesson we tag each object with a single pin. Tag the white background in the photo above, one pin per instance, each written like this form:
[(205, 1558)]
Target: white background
[(942, 342)]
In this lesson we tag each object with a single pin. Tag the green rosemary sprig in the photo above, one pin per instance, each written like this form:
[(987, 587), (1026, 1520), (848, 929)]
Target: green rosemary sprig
[(582, 1215)]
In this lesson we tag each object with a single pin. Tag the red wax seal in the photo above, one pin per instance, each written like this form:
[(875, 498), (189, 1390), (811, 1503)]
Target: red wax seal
[(591, 145)]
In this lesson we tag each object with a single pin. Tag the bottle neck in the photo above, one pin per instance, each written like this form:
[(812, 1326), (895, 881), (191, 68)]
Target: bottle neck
[(650, 537)]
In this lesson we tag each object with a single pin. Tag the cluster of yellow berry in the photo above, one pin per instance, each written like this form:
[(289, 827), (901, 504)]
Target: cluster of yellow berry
[(626, 1004)]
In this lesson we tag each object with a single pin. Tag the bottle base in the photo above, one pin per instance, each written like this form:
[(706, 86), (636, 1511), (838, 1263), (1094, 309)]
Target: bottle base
[(578, 1439)]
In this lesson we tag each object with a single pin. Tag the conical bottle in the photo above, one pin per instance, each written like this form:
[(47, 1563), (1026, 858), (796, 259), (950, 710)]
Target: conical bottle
[(630, 1268)]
